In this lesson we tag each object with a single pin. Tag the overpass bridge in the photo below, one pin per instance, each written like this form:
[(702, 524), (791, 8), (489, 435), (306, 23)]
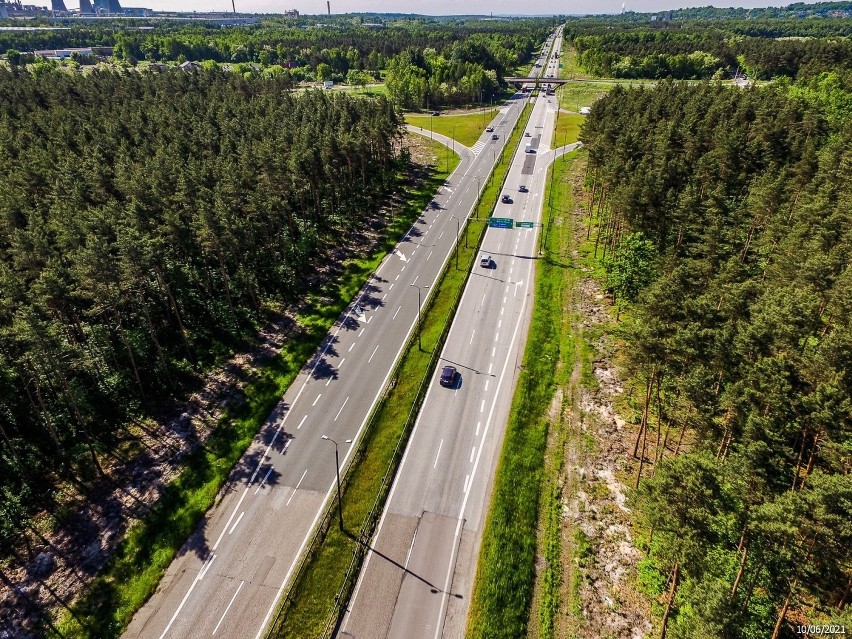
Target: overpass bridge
[(536, 80)]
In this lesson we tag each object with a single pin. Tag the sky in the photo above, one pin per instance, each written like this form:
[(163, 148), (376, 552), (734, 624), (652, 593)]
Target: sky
[(437, 7)]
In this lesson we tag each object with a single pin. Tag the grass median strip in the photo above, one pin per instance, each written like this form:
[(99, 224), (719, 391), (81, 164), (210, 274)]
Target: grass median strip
[(506, 573), (310, 609), (151, 544)]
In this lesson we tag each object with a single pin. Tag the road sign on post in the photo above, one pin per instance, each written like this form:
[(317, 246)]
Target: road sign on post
[(500, 222), (524, 225)]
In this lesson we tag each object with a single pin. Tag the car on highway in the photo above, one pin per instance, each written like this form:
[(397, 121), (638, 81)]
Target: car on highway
[(485, 261), (529, 149), (449, 376), (506, 199), (523, 189), (435, 113), (489, 129), (527, 134)]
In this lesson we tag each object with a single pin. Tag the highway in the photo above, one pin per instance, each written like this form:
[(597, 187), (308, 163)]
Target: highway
[(228, 577), (417, 580)]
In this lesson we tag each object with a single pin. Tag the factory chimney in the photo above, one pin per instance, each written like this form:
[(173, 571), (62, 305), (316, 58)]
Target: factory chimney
[(328, 4)]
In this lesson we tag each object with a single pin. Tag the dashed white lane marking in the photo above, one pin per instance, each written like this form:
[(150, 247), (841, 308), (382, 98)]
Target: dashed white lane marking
[(260, 485), (396, 278), (340, 365), (362, 332), (504, 299), (374, 352), (351, 346), (316, 400), (486, 384), (435, 465), (206, 567), (502, 309), (410, 548), (391, 286), (229, 607), (341, 408), (493, 351), (496, 336), (415, 279), (301, 422), (482, 303), (478, 424), (507, 288), (471, 336), (383, 299), (472, 454), (413, 252), (441, 235), (244, 512), (402, 269), (297, 486), (466, 482), (397, 311), (490, 364), (500, 322), (428, 256), (482, 406)]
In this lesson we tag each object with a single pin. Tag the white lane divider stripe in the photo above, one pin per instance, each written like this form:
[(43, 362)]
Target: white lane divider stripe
[(229, 607), (472, 453), (374, 352), (341, 408), (440, 445), (396, 313), (297, 486), (301, 422), (206, 567), (242, 513), (316, 400)]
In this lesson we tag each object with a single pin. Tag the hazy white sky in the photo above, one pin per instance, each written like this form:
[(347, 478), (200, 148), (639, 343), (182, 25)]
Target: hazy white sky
[(435, 7)]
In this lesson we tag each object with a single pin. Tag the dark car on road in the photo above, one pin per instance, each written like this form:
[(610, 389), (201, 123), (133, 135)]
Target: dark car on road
[(506, 199), (435, 113), (522, 189), (449, 376)]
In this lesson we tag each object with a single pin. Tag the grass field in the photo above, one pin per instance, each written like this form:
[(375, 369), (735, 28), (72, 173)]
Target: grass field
[(465, 128), (524, 516), (309, 609), (567, 129), (151, 544)]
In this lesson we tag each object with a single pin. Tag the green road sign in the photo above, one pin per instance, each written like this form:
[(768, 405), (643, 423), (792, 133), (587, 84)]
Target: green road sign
[(524, 225), (500, 222)]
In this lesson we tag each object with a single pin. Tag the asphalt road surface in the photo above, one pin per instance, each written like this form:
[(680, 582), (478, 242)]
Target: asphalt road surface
[(227, 578), (417, 581)]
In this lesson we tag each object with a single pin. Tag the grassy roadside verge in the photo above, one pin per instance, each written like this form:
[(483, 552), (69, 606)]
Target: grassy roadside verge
[(323, 585), (526, 504), (151, 544)]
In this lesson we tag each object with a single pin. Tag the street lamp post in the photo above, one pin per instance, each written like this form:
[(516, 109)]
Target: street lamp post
[(419, 332), (337, 468), (430, 126), (458, 234)]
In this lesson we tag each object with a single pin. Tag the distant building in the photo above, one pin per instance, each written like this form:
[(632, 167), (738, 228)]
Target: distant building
[(291, 13), (189, 66), (14, 9)]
